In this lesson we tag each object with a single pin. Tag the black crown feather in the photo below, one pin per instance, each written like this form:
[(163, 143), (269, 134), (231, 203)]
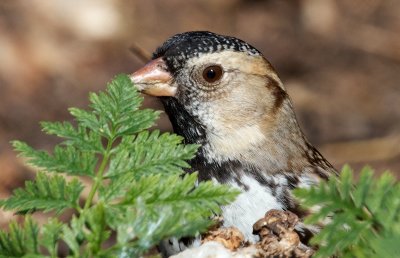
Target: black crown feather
[(181, 47)]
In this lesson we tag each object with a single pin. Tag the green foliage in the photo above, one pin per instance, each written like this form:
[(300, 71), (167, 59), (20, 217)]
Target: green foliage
[(362, 219), (45, 193), (65, 159), (155, 191), (20, 240), (138, 188), (149, 153)]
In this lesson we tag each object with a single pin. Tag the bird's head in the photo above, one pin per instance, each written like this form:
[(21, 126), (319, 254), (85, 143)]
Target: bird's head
[(217, 90)]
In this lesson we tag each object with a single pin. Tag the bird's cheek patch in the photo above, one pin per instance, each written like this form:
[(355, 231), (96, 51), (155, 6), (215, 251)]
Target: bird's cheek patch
[(154, 79)]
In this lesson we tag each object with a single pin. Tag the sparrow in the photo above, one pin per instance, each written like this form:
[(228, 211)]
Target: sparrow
[(221, 93)]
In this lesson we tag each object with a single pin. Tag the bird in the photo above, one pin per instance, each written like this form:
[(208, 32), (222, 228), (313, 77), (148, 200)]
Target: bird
[(222, 93)]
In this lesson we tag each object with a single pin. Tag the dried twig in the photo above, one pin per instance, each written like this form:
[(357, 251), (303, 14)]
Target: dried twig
[(142, 54)]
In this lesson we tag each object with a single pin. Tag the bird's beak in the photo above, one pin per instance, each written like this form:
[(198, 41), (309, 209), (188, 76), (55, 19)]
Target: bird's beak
[(154, 79)]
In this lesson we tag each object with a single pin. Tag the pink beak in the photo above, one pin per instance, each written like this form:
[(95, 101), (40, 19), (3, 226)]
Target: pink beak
[(154, 79)]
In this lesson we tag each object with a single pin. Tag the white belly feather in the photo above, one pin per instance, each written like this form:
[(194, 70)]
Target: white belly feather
[(249, 206)]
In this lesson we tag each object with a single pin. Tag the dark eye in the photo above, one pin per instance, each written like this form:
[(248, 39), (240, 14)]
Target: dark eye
[(212, 73)]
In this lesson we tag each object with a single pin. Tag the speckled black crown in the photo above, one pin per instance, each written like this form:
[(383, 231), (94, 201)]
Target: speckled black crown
[(181, 47)]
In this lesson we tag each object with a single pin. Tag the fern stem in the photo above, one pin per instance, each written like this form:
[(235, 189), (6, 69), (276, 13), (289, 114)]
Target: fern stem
[(99, 175)]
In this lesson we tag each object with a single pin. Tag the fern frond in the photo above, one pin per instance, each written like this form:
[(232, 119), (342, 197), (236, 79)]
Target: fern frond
[(87, 140), (46, 193), (156, 191), (97, 231), (138, 189), (361, 214), (142, 228), (65, 159), (50, 235), (150, 153), (73, 234), (20, 241)]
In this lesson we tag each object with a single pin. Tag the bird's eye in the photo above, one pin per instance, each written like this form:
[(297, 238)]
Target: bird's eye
[(212, 73)]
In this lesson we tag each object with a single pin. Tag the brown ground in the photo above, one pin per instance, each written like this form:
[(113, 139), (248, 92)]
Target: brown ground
[(340, 61)]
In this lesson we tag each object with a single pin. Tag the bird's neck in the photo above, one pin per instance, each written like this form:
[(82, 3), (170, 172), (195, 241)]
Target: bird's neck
[(274, 150), (183, 123)]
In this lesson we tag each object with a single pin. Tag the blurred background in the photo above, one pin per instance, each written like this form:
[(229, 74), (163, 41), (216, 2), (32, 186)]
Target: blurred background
[(340, 62)]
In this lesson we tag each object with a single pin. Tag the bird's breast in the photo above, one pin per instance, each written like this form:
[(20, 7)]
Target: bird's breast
[(250, 206)]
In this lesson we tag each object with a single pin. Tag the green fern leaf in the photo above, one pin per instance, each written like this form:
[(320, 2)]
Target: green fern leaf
[(365, 182), (66, 159), (150, 153), (50, 235), (118, 111), (80, 137), (144, 227), (96, 232), (20, 241), (45, 193), (363, 215), (138, 185), (201, 199), (73, 234)]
